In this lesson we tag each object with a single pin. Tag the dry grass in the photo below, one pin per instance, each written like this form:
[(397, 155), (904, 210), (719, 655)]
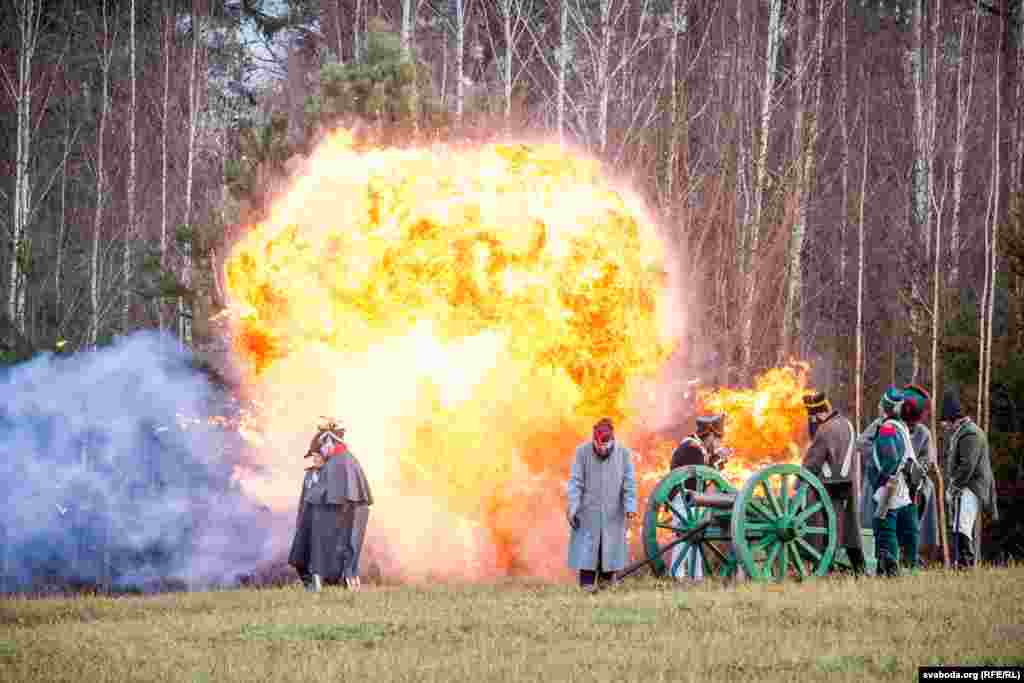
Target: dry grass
[(834, 629)]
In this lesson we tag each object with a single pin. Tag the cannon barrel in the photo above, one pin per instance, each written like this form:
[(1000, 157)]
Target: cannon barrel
[(719, 501)]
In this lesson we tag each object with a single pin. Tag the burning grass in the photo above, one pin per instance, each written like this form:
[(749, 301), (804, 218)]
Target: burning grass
[(834, 629)]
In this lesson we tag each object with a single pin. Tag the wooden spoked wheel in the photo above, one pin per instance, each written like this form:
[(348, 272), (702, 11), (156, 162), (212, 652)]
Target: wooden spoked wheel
[(783, 525), (668, 517)]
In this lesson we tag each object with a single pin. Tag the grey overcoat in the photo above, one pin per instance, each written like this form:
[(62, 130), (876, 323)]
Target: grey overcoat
[(601, 492)]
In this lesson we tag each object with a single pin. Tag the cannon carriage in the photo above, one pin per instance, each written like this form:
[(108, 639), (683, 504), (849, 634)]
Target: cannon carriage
[(781, 523)]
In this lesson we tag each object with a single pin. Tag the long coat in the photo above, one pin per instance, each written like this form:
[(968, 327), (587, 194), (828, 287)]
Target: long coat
[(866, 446), (835, 444), (924, 451), (601, 492), (968, 465), (331, 523)]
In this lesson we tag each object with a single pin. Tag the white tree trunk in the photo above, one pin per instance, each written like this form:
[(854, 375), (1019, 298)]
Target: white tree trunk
[(859, 364), (357, 52), (126, 266), (776, 30), (963, 112), (563, 66), (29, 17), (58, 265), (603, 80), (461, 8), (106, 56), (409, 8), (184, 310), (984, 416), (801, 148), (506, 17), (160, 313), (844, 126)]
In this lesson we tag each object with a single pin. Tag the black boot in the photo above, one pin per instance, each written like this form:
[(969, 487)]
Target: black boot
[(965, 552), (856, 556)]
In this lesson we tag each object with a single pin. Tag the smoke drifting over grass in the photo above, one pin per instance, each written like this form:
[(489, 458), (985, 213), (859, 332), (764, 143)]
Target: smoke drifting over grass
[(112, 472)]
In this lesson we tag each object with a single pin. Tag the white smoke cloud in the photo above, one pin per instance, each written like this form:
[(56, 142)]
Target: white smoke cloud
[(110, 469)]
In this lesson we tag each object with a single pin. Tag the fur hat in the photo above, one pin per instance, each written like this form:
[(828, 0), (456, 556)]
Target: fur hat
[(951, 409), (817, 403), (707, 424)]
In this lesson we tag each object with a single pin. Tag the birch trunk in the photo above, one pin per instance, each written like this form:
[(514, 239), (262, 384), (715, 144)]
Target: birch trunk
[(800, 148), (506, 17), (356, 48), (563, 65), (58, 265), (603, 81), (408, 27), (859, 365), (844, 126), (160, 312), (776, 29), (106, 55), (184, 310), (963, 112), (29, 18), (993, 265), (460, 53), (678, 147), (126, 266)]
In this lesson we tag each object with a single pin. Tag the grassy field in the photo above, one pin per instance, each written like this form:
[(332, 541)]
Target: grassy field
[(826, 629)]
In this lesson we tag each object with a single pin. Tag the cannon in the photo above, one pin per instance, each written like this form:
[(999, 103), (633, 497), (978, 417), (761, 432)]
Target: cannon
[(781, 523)]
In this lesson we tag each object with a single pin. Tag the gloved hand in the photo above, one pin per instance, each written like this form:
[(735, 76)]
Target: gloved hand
[(883, 479), (574, 521)]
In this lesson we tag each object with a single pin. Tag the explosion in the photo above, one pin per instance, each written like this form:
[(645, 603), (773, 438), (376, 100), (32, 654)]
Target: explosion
[(467, 314), (766, 424)]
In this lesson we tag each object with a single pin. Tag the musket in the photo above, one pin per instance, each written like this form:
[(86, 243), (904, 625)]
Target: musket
[(640, 564)]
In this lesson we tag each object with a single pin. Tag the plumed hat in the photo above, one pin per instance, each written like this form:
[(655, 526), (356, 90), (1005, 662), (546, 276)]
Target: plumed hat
[(817, 403), (891, 401), (711, 423), (329, 430), (915, 401)]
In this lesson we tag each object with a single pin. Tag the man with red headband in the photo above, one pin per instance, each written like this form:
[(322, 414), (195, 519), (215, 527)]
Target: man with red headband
[(602, 499)]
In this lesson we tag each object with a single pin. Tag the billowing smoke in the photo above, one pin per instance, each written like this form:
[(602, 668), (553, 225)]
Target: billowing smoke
[(113, 472)]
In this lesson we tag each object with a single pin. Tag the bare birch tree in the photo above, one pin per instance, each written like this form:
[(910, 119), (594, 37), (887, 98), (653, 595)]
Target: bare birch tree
[(184, 309), (29, 13), (776, 32), (859, 352), (106, 53), (126, 266), (164, 125), (564, 50), (964, 92), (991, 264)]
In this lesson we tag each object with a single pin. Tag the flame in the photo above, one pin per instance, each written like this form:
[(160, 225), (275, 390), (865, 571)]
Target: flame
[(468, 313), (766, 424)]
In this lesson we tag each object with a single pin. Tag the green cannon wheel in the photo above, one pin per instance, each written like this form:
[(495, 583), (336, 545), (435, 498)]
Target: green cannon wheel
[(784, 524), (668, 517)]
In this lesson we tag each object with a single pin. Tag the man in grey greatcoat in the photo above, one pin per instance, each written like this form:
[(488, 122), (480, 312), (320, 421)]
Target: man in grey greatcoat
[(602, 499), (832, 457), (914, 413), (334, 508)]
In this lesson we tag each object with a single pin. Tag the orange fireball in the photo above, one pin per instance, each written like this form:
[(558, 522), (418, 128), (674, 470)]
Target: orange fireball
[(767, 424), (450, 305)]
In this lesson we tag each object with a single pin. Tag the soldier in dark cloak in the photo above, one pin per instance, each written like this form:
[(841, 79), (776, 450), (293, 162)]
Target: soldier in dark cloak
[(334, 508), (833, 458)]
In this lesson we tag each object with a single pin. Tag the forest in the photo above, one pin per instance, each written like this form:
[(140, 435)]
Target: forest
[(842, 181)]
